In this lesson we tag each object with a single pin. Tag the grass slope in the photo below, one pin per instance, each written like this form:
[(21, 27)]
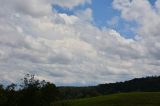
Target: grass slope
[(121, 99)]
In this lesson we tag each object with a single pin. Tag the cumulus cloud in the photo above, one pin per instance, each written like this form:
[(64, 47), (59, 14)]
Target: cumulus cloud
[(70, 3), (85, 15), (113, 21), (69, 50), (148, 22)]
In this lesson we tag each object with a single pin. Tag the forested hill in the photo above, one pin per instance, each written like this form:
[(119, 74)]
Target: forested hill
[(147, 84)]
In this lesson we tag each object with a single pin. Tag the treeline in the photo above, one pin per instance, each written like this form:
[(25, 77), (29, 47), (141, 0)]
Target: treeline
[(77, 92), (147, 84), (32, 92)]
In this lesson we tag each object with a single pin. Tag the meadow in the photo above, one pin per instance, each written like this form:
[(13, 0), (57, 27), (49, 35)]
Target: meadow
[(120, 99)]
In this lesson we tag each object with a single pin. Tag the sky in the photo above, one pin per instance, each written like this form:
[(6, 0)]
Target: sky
[(79, 42)]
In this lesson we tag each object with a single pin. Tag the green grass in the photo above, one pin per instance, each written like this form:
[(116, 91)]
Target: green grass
[(121, 99)]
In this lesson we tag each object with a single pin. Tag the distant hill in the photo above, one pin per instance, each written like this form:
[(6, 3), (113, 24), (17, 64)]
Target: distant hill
[(121, 99), (147, 84)]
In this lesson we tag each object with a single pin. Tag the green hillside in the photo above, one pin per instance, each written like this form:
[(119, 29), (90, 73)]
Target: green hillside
[(121, 99)]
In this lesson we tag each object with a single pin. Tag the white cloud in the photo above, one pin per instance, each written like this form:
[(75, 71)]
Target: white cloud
[(148, 19), (157, 4), (114, 21), (85, 15), (68, 19), (68, 49), (70, 3)]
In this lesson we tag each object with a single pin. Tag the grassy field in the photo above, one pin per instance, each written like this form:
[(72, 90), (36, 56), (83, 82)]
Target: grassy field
[(121, 99)]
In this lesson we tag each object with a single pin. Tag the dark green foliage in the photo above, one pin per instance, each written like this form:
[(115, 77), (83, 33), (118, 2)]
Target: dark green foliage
[(3, 97), (148, 84), (77, 92), (32, 92)]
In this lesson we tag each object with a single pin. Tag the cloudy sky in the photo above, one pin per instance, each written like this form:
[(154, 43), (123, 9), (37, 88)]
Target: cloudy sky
[(79, 42)]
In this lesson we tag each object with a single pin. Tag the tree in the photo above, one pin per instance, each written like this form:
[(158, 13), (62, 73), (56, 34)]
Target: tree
[(37, 93)]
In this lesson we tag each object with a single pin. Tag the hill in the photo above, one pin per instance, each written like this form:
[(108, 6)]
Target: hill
[(146, 84), (121, 99)]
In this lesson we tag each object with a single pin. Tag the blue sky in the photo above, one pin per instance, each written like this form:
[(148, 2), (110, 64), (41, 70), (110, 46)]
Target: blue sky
[(103, 14)]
